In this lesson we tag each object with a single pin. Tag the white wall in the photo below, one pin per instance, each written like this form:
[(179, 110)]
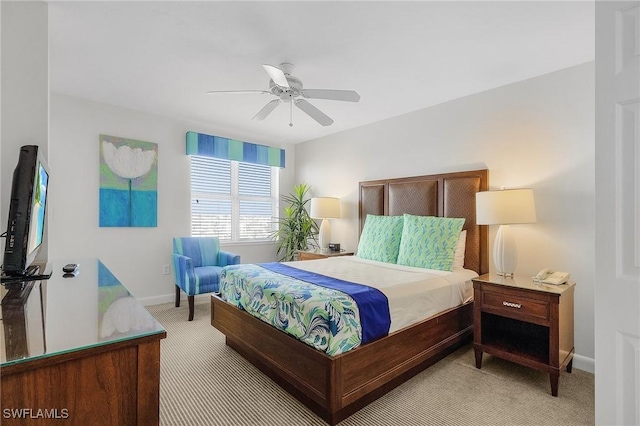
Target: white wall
[(2, 205), (134, 255), (24, 83), (538, 133)]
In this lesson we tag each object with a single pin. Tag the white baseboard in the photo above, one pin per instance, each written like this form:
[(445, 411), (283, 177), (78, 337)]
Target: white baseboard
[(157, 300), (585, 364), (168, 298)]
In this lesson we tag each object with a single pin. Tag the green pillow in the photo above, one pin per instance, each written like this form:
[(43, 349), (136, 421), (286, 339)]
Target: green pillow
[(380, 239), (429, 242)]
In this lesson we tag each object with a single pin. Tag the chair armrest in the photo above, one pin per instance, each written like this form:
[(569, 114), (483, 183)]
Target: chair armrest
[(183, 273), (226, 258)]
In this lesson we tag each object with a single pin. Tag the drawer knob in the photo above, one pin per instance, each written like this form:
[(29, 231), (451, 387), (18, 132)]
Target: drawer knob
[(512, 305)]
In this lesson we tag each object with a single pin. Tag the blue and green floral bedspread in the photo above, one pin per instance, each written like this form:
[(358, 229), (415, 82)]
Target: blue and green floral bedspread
[(326, 318)]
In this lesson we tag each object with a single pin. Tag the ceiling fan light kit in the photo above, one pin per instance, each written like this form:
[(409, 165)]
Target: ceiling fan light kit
[(289, 89)]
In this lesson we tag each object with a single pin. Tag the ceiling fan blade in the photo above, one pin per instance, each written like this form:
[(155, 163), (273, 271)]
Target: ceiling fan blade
[(314, 112), (213, 92), (266, 110), (277, 75), (334, 95)]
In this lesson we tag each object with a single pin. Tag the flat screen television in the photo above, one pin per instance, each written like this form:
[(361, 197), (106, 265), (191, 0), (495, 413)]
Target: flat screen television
[(25, 227)]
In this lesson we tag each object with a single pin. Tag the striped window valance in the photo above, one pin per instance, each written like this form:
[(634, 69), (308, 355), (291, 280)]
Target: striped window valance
[(230, 149)]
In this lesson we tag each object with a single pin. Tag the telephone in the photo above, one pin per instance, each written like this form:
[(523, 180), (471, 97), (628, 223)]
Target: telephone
[(548, 276)]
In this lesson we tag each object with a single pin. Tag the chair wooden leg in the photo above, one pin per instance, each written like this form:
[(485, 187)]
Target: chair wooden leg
[(191, 308), (177, 297)]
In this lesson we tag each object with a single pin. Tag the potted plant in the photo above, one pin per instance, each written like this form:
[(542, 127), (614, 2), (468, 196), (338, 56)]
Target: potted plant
[(296, 228)]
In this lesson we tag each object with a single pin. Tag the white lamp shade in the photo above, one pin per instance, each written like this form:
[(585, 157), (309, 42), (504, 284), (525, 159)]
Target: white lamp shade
[(325, 208), (505, 207)]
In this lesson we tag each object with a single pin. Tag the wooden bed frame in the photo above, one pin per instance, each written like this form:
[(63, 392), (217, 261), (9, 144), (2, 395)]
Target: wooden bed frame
[(334, 387)]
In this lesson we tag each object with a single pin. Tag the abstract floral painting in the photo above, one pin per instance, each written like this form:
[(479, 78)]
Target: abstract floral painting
[(128, 182)]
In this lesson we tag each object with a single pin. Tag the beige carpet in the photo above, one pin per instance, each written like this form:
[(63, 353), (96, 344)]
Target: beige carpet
[(203, 382)]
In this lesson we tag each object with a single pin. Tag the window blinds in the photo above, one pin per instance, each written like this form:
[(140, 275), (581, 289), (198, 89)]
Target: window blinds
[(231, 200)]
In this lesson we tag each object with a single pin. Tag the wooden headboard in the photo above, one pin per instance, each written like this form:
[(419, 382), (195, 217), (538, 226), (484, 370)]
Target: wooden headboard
[(446, 194)]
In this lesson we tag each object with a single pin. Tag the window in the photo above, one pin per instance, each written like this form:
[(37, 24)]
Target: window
[(232, 200)]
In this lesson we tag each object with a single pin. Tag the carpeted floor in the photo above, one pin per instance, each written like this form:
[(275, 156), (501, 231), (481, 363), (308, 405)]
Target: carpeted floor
[(203, 382)]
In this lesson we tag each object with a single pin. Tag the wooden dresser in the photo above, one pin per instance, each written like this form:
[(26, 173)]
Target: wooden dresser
[(79, 350)]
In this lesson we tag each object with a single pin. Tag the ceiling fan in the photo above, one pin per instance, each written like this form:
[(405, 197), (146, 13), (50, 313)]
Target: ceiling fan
[(289, 89)]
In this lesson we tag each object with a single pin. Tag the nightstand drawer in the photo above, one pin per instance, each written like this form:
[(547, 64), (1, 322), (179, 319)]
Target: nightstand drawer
[(515, 306), (320, 254), (305, 255)]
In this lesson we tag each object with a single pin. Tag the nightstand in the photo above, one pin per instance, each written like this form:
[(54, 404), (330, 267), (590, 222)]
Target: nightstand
[(524, 322), (321, 254)]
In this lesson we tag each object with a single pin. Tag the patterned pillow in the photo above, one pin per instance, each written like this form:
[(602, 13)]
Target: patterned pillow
[(380, 239), (429, 242)]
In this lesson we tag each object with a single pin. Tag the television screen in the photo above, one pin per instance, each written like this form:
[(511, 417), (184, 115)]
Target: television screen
[(25, 226), (38, 203)]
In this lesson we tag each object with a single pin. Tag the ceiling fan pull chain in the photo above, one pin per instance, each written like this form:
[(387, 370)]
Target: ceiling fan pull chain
[(291, 114)]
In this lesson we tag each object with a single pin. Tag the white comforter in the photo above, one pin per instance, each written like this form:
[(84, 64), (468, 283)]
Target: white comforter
[(414, 293)]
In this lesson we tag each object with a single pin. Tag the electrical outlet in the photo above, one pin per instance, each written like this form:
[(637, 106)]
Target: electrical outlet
[(166, 269)]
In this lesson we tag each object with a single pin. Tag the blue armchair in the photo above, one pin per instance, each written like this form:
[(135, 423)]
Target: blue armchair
[(197, 262)]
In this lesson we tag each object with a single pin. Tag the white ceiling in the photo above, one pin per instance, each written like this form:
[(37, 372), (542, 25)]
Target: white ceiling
[(160, 57)]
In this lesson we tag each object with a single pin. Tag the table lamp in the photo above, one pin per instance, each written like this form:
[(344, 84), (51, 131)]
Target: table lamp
[(325, 208), (505, 207)]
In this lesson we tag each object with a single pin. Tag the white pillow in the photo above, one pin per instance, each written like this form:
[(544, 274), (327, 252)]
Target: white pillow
[(458, 259)]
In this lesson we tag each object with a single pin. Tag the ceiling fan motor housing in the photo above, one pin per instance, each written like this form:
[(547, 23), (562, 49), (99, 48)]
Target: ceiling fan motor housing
[(287, 94)]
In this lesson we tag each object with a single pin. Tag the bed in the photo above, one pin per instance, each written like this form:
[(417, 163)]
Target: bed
[(335, 386)]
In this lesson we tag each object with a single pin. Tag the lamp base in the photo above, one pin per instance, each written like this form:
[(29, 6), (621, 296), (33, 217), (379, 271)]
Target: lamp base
[(324, 237), (505, 252)]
